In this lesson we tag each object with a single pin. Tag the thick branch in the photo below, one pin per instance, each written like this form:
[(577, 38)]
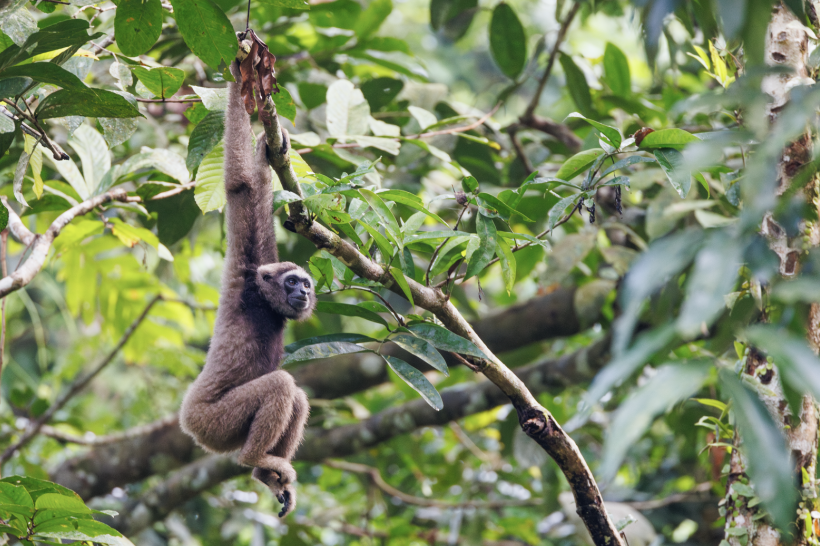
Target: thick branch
[(459, 402), (165, 447), (41, 244)]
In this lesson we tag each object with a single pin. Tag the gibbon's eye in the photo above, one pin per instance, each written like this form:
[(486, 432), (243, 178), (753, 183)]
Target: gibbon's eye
[(292, 281), (307, 285)]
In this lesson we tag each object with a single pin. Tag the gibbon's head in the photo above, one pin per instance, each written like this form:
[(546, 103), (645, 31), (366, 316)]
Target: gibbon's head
[(288, 288)]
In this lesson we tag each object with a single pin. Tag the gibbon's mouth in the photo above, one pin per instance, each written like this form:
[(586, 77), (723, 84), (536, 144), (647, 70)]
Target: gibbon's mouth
[(299, 303)]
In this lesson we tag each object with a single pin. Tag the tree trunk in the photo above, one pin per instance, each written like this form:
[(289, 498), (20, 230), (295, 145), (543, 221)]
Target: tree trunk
[(786, 46)]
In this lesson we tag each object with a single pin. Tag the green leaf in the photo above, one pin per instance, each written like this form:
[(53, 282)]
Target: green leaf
[(384, 245), (470, 184), (55, 501), (427, 235), (422, 349), (671, 161), (162, 81), (348, 310), (210, 181), (626, 162), (508, 42), (175, 216), (578, 87), (717, 404), (486, 247), (284, 197), (410, 200), (323, 350), (291, 4), (137, 25), (713, 276), (4, 218), (372, 18), (446, 340), (398, 276), (204, 138), (285, 106), (313, 94), (671, 384), (44, 73), (15, 494), (508, 265), (561, 209), (415, 379), (384, 213), (97, 103), (769, 460), (611, 134), (616, 70), (503, 209), (347, 110), (578, 163), (329, 338), (668, 138), (795, 360), (207, 31)]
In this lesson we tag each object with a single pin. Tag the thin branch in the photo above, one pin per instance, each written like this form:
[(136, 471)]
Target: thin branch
[(551, 61), (90, 439), (104, 43), (519, 151), (439, 247), (175, 191), (193, 99), (377, 479), (41, 244), (56, 151), (78, 385)]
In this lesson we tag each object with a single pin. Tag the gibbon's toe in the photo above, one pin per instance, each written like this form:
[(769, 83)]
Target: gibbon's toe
[(288, 500)]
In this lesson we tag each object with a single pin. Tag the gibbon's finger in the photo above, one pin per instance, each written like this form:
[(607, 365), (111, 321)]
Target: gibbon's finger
[(284, 498)]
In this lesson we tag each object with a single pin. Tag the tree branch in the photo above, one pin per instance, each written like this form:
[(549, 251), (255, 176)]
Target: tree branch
[(76, 386), (41, 244), (320, 444)]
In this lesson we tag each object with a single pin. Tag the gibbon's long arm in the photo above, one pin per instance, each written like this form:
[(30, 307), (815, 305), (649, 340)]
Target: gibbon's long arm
[(248, 189)]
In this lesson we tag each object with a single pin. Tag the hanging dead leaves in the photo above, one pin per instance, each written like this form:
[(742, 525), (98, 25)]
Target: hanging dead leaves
[(257, 70)]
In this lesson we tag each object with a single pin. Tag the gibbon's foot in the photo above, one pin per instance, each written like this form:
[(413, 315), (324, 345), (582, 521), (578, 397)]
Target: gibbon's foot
[(284, 492)]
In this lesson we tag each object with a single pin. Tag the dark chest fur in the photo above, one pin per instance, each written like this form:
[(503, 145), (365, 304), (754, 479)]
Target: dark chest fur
[(266, 325)]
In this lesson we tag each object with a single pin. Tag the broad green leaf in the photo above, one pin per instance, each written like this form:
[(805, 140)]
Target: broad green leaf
[(15, 494), (212, 98), (769, 460), (508, 42), (210, 181), (162, 81), (422, 349), (671, 161), (348, 310), (44, 73), (61, 35), (380, 92), (55, 501), (137, 24), (76, 232), (578, 163), (398, 276), (493, 203), (409, 199), (312, 95), (671, 384), (717, 404), (616, 70), (713, 276), (94, 157), (626, 162), (424, 117), (487, 244), (415, 379), (285, 106), (207, 31), (323, 350), (384, 245), (668, 138), (427, 235), (616, 181), (578, 87), (175, 216), (794, 359), (611, 134), (4, 217), (446, 340), (87, 102), (561, 209), (347, 110), (665, 257), (805, 289), (646, 346), (283, 197), (470, 184), (508, 265), (384, 213), (292, 4), (205, 136), (372, 18), (329, 338)]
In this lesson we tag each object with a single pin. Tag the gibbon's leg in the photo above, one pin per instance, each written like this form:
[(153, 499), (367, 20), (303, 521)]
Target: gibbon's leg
[(292, 437)]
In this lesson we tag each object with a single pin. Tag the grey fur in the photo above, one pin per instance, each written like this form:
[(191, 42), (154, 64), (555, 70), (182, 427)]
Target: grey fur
[(242, 400)]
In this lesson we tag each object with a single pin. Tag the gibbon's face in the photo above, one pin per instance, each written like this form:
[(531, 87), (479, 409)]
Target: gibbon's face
[(288, 288)]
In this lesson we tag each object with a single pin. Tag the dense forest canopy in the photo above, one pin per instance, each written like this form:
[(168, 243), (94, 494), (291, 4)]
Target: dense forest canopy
[(564, 251)]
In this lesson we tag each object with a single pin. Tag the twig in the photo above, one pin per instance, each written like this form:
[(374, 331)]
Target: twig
[(551, 61), (41, 244), (439, 247), (104, 43), (89, 439), (194, 99), (76, 387), (519, 151), (175, 191), (376, 477), (56, 151)]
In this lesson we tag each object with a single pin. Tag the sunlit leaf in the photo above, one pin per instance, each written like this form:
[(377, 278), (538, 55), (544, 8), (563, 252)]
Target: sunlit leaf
[(415, 379)]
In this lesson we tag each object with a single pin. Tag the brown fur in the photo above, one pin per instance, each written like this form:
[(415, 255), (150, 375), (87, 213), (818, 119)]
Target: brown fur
[(242, 400)]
